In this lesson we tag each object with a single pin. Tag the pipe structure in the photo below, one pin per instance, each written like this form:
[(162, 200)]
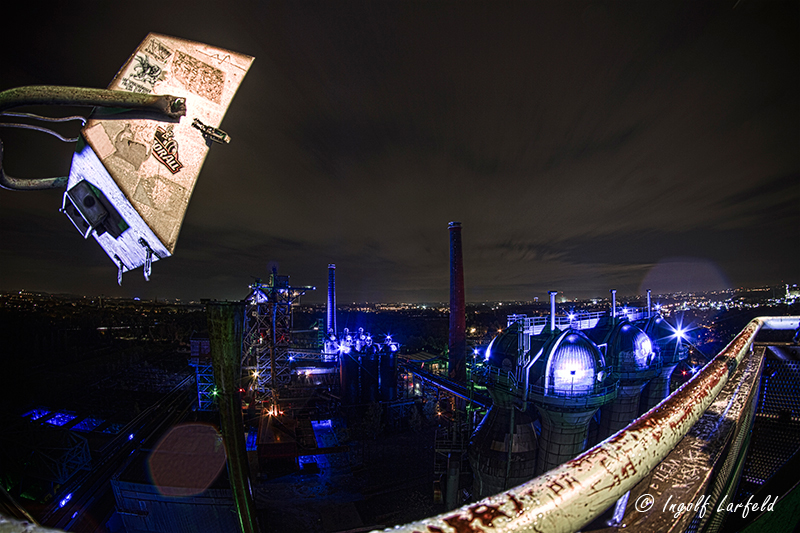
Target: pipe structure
[(458, 311), (28, 184), (172, 107), (570, 496), (458, 390), (330, 318), (552, 310), (649, 308), (613, 303), (225, 329), (167, 105)]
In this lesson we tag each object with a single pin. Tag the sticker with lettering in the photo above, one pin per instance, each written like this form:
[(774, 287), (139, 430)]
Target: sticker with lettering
[(165, 149)]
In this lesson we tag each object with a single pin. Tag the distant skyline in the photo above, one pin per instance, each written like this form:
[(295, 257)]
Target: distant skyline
[(583, 145), (774, 292)]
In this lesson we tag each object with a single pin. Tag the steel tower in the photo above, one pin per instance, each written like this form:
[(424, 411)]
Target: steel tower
[(330, 310), (268, 332)]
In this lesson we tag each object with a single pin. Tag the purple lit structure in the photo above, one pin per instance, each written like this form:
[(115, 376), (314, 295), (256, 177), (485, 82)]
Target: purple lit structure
[(503, 448), (630, 353), (330, 315), (668, 343)]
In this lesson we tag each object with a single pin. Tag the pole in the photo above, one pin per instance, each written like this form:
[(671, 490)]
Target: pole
[(613, 303), (225, 328)]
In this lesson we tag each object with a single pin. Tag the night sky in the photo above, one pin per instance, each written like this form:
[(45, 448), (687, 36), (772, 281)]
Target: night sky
[(583, 145)]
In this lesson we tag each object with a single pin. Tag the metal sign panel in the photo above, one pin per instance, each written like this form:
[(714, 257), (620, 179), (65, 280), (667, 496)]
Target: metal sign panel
[(141, 168)]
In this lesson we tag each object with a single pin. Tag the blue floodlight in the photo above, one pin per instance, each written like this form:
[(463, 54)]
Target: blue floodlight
[(61, 419), (88, 424), (36, 414), (573, 367), (488, 353)]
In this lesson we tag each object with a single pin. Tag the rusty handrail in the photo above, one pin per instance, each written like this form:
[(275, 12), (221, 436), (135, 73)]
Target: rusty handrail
[(572, 495)]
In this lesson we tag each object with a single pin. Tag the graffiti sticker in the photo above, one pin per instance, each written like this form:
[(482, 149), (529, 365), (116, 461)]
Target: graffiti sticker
[(165, 148)]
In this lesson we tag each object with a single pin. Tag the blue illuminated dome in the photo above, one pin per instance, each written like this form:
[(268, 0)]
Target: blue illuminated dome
[(665, 340), (574, 366), (503, 351), (633, 348), (660, 331)]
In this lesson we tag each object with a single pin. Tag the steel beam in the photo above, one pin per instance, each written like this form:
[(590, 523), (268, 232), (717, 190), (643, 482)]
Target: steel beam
[(225, 333)]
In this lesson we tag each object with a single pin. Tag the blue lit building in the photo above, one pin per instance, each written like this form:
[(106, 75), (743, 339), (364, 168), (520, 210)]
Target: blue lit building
[(503, 448), (629, 352), (144, 507), (669, 344), (566, 377)]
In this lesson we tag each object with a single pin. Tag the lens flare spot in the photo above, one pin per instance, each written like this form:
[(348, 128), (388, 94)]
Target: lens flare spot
[(187, 460)]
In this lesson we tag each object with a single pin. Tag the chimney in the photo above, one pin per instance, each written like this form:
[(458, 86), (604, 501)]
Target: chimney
[(330, 318), (552, 310), (613, 303), (458, 311), (649, 312)]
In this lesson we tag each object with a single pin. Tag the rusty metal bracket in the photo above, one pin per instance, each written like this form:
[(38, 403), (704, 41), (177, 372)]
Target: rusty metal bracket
[(172, 107)]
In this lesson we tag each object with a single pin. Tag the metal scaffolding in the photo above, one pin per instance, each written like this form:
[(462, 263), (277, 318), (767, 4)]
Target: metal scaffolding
[(268, 332), (200, 359)]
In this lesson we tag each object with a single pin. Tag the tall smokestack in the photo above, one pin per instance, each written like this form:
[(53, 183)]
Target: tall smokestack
[(458, 311), (614, 303), (330, 318), (552, 310)]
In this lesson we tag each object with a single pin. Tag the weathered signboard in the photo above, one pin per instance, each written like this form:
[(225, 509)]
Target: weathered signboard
[(133, 172)]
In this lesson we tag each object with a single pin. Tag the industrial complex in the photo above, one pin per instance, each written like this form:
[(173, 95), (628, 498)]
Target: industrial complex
[(328, 428)]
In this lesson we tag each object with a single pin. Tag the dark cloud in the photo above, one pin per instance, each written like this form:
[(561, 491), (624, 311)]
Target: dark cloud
[(582, 145)]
